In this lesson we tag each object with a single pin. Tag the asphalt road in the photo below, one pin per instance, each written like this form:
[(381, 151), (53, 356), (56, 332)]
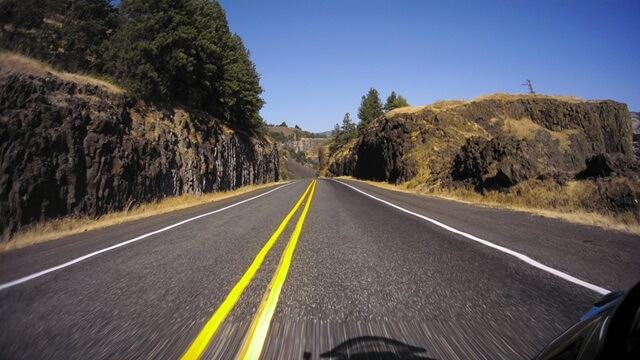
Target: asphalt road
[(299, 171), (361, 270)]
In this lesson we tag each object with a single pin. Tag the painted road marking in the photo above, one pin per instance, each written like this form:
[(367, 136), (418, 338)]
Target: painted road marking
[(200, 343), (85, 257), (518, 255), (254, 342)]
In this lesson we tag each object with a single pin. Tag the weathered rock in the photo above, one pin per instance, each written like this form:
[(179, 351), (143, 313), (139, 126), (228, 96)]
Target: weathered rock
[(71, 149), (490, 143), (635, 124), (602, 165), (598, 165)]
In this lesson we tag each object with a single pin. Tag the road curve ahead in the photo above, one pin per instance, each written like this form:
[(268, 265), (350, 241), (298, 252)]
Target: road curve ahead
[(310, 270)]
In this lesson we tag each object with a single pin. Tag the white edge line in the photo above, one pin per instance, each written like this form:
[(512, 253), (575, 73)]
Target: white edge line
[(82, 258), (518, 255)]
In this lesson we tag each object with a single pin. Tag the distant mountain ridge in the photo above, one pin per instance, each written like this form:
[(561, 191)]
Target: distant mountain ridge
[(294, 133)]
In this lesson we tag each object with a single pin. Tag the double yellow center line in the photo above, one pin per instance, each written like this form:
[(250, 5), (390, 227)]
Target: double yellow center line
[(254, 341)]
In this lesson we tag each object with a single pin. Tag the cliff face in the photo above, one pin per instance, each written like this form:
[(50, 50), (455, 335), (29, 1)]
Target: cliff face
[(70, 148), (468, 140), (494, 143), (308, 145), (635, 124)]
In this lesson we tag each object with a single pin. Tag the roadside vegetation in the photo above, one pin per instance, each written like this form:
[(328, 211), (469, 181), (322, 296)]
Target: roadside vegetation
[(550, 201), (174, 52), (371, 108), (66, 226), (14, 62)]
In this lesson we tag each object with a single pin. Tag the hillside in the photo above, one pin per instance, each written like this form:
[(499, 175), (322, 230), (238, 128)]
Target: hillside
[(73, 145), (299, 146), (534, 150)]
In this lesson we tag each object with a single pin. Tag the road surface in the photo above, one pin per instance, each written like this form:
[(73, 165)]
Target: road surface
[(299, 171), (433, 278)]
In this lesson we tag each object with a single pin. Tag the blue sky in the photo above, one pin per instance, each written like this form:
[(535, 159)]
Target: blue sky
[(317, 58)]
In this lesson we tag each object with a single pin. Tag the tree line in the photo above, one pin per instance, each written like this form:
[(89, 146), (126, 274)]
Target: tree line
[(173, 51), (370, 109)]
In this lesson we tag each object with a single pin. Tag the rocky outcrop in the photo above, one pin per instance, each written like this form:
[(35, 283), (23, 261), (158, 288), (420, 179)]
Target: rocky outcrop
[(528, 150), (70, 148), (489, 143), (635, 124), (308, 145)]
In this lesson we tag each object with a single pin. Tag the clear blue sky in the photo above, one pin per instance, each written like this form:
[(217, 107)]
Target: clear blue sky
[(317, 58)]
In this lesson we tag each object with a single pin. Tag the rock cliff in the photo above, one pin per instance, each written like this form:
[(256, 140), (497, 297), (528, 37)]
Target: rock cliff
[(70, 147), (494, 143), (635, 123)]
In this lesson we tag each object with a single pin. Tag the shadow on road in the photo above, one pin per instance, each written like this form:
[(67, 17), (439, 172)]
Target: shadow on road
[(374, 347)]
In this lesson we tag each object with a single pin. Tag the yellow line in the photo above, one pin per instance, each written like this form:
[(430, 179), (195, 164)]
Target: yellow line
[(254, 342), (210, 328)]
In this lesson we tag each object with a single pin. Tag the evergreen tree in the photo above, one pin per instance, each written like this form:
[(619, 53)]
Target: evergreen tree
[(178, 51), (336, 133), (401, 102), (72, 37), (395, 101), (370, 108), (87, 26), (182, 51), (241, 92), (348, 128), (388, 105)]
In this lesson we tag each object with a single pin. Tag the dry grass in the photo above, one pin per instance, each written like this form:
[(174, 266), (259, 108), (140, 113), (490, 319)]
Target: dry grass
[(56, 229), (512, 97), (12, 62), (548, 203), (286, 131), (443, 105), (405, 110)]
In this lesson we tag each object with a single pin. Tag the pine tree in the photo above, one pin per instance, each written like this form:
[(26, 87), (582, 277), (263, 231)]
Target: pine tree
[(183, 51), (336, 133), (72, 38), (242, 87), (388, 105), (395, 101), (370, 108), (87, 26), (348, 127)]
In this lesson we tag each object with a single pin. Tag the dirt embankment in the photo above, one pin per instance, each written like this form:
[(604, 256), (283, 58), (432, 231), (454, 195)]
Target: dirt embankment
[(71, 147), (536, 150)]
